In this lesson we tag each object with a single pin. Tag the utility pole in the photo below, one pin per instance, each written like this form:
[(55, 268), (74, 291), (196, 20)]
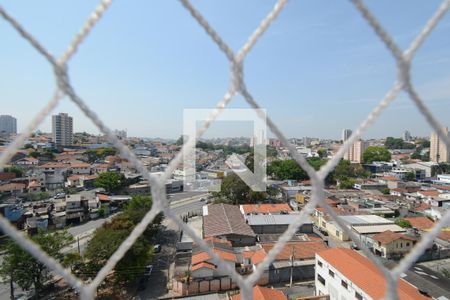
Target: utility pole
[(78, 243), (292, 265)]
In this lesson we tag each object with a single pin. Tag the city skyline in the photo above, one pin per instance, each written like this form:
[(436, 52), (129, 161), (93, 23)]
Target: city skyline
[(323, 61)]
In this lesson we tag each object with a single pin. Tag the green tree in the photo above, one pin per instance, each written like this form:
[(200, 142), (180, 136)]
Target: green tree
[(110, 181), (34, 154), (403, 223), (397, 143), (385, 191), (110, 236), (14, 169), (346, 183), (322, 153), (236, 191), (22, 268), (441, 168), (410, 176), (376, 153)]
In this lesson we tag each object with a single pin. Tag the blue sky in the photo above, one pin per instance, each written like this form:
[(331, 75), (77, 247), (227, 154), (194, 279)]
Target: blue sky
[(318, 69)]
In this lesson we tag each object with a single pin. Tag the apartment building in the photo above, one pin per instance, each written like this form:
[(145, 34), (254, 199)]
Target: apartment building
[(62, 129), (439, 151), (346, 274), (355, 152), (8, 124)]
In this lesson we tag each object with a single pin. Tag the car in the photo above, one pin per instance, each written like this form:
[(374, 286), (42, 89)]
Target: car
[(202, 200), (157, 248), (354, 246), (148, 270)]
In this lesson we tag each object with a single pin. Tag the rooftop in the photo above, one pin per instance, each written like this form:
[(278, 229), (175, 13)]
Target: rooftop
[(223, 219), (365, 275)]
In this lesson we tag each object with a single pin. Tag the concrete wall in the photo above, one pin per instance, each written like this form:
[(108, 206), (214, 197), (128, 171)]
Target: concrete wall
[(299, 273)]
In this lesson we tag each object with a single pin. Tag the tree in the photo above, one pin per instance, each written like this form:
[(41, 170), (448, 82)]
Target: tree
[(109, 237), (237, 191), (110, 181), (376, 153), (385, 191), (21, 267), (410, 176), (403, 223), (346, 183), (397, 143), (34, 154), (441, 168), (14, 169), (322, 153)]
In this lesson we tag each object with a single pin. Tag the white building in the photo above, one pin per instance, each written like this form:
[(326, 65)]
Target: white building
[(439, 151), (355, 152), (346, 274), (8, 124), (62, 129)]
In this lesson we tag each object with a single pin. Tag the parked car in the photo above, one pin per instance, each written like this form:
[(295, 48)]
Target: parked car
[(354, 246), (157, 248)]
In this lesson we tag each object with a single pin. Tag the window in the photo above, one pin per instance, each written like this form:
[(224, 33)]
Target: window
[(358, 296), (319, 263), (321, 280), (344, 284), (331, 273), (401, 245), (407, 244)]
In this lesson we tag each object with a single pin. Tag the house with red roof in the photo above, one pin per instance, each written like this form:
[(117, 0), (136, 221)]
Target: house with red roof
[(389, 244)]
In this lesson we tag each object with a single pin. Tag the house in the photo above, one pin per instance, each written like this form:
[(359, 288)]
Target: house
[(226, 221), (27, 162), (420, 223), (12, 188), (35, 186), (390, 244), (203, 266), (78, 167), (297, 257), (264, 293), (346, 274)]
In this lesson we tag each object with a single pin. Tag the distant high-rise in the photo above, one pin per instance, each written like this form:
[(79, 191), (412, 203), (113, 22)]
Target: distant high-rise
[(62, 129), (306, 141), (355, 152), (439, 151), (8, 124), (346, 133), (121, 134), (407, 136)]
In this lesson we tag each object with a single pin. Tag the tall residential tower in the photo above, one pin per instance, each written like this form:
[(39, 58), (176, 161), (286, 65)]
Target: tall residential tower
[(8, 124), (62, 129), (439, 151)]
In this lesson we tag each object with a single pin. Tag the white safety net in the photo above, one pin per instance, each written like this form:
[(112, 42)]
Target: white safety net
[(237, 86)]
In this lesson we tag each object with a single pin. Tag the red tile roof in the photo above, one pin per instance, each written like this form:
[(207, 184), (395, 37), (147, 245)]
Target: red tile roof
[(364, 274), (301, 250), (255, 256), (387, 237), (203, 265), (430, 193), (422, 223), (7, 175), (444, 235), (266, 208), (263, 293)]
